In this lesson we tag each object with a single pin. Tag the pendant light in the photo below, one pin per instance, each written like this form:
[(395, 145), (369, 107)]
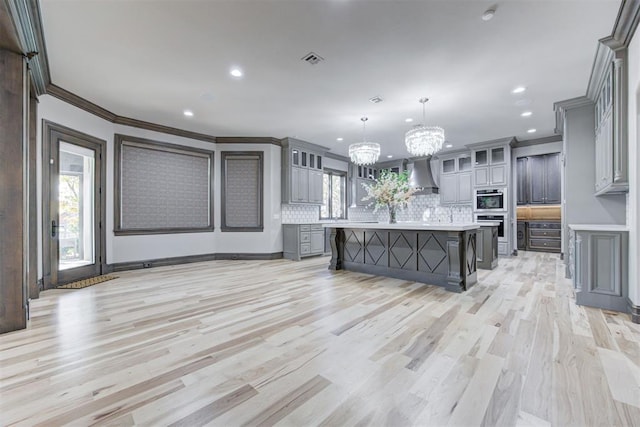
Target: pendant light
[(364, 153), (424, 140)]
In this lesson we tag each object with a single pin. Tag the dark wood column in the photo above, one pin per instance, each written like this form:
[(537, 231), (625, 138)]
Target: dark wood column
[(13, 314)]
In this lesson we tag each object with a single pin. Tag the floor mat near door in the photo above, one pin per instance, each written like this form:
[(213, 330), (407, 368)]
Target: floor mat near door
[(87, 282)]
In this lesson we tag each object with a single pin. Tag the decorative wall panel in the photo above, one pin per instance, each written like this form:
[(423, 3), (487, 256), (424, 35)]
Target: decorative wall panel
[(162, 188), (242, 191)]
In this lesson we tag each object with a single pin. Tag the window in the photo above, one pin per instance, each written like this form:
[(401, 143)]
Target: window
[(161, 188), (242, 191), (334, 195)]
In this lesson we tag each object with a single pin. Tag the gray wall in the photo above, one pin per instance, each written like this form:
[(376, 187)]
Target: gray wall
[(580, 204)]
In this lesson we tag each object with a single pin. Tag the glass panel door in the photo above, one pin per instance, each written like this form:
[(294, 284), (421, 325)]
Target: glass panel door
[(76, 216)]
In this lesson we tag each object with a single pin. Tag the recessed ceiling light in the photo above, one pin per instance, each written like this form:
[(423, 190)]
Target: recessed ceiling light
[(448, 145), (408, 120), (339, 139), (389, 156), (526, 114), (531, 131), (488, 14), (519, 89), (188, 113), (236, 72)]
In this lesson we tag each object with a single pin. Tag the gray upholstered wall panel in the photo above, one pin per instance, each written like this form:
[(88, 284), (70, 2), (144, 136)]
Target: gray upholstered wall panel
[(243, 191), (162, 187)]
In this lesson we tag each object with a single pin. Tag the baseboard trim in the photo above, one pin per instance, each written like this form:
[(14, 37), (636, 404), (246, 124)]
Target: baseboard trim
[(634, 310), (162, 262)]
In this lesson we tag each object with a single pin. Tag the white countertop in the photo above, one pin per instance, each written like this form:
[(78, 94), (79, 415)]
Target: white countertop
[(598, 227), (409, 225)]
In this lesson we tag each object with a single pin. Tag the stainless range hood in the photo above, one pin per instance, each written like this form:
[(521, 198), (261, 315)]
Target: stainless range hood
[(420, 176)]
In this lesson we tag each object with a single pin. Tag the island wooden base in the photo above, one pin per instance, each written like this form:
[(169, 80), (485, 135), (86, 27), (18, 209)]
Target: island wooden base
[(442, 258)]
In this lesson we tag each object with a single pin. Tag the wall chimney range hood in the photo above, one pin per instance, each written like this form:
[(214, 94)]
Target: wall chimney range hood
[(420, 176)]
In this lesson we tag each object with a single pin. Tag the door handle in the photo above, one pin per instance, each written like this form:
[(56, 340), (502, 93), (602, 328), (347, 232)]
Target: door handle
[(54, 228)]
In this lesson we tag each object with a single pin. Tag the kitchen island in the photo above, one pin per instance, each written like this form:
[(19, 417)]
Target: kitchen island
[(437, 254)]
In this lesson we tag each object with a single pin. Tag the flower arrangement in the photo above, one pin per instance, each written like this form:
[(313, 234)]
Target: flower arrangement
[(391, 190)]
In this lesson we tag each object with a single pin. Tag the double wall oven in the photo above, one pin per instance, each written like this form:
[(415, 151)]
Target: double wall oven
[(490, 205)]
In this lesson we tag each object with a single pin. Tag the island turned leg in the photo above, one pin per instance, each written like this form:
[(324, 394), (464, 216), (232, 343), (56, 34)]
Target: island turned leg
[(455, 258), (336, 239)]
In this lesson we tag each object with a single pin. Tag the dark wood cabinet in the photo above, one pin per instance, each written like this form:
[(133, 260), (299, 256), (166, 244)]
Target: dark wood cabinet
[(538, 180), (522, 190)]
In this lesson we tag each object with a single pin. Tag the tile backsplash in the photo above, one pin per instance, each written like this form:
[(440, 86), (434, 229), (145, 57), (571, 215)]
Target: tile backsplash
[(300, 214), (421, 208)]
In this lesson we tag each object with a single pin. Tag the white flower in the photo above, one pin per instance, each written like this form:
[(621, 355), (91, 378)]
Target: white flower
[(390, 189)]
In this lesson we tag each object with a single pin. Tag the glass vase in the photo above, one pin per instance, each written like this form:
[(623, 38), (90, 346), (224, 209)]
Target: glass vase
[(392, 214)]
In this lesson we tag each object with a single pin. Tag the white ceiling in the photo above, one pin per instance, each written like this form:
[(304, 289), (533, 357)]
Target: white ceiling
[(150, 60)]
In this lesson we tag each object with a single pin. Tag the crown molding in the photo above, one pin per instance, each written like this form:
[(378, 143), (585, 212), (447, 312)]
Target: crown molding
[(500, 141), (80, 102), (601, 64), (568, 104), (27, 22), (625, 25), (333, 156), (141, 124), (247, 140), (538, 141), (561, 107)]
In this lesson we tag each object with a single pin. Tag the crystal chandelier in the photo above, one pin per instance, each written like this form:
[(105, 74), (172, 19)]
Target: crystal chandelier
[(364, 153), (424, 140)]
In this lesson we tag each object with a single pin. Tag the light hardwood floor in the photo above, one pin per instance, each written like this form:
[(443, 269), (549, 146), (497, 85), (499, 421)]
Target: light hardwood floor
[(291, 343)]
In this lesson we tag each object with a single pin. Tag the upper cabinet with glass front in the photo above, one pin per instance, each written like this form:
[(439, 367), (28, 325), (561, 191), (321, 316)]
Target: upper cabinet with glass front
[(490, 166), (302, 166), (609, 95)]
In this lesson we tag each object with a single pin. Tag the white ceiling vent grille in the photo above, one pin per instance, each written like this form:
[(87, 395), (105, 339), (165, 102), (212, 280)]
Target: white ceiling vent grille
[(312, 58), (375, 99)]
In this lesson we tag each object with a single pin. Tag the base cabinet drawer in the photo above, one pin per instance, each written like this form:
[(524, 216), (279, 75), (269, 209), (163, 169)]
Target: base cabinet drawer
[(544, 233), (305, 236), (305, 248), (544, 236), (545, 244)]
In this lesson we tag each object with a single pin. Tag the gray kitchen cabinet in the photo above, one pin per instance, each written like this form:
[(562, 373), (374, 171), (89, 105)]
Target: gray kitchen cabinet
[(315, 186), (456, 183), (358, 176), (301, 172), (600, 267), (539, 180), (611, 150), (448, 189), (487, 247), (536, 180), (553, 194), (302, 240), (544, 236), (299, 185), (522, 188), (490, 166)]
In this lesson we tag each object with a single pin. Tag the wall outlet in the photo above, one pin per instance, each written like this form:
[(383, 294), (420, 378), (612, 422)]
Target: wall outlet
[(146, 265)]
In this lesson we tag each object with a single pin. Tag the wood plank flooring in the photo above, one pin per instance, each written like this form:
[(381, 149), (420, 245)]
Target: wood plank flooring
[(248, 343)]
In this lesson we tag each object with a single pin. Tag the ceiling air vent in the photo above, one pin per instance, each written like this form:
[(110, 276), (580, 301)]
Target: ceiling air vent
[(375, 99), (312, 58)]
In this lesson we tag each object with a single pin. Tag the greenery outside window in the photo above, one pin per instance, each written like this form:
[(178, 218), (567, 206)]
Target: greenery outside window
[(334, 195)]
